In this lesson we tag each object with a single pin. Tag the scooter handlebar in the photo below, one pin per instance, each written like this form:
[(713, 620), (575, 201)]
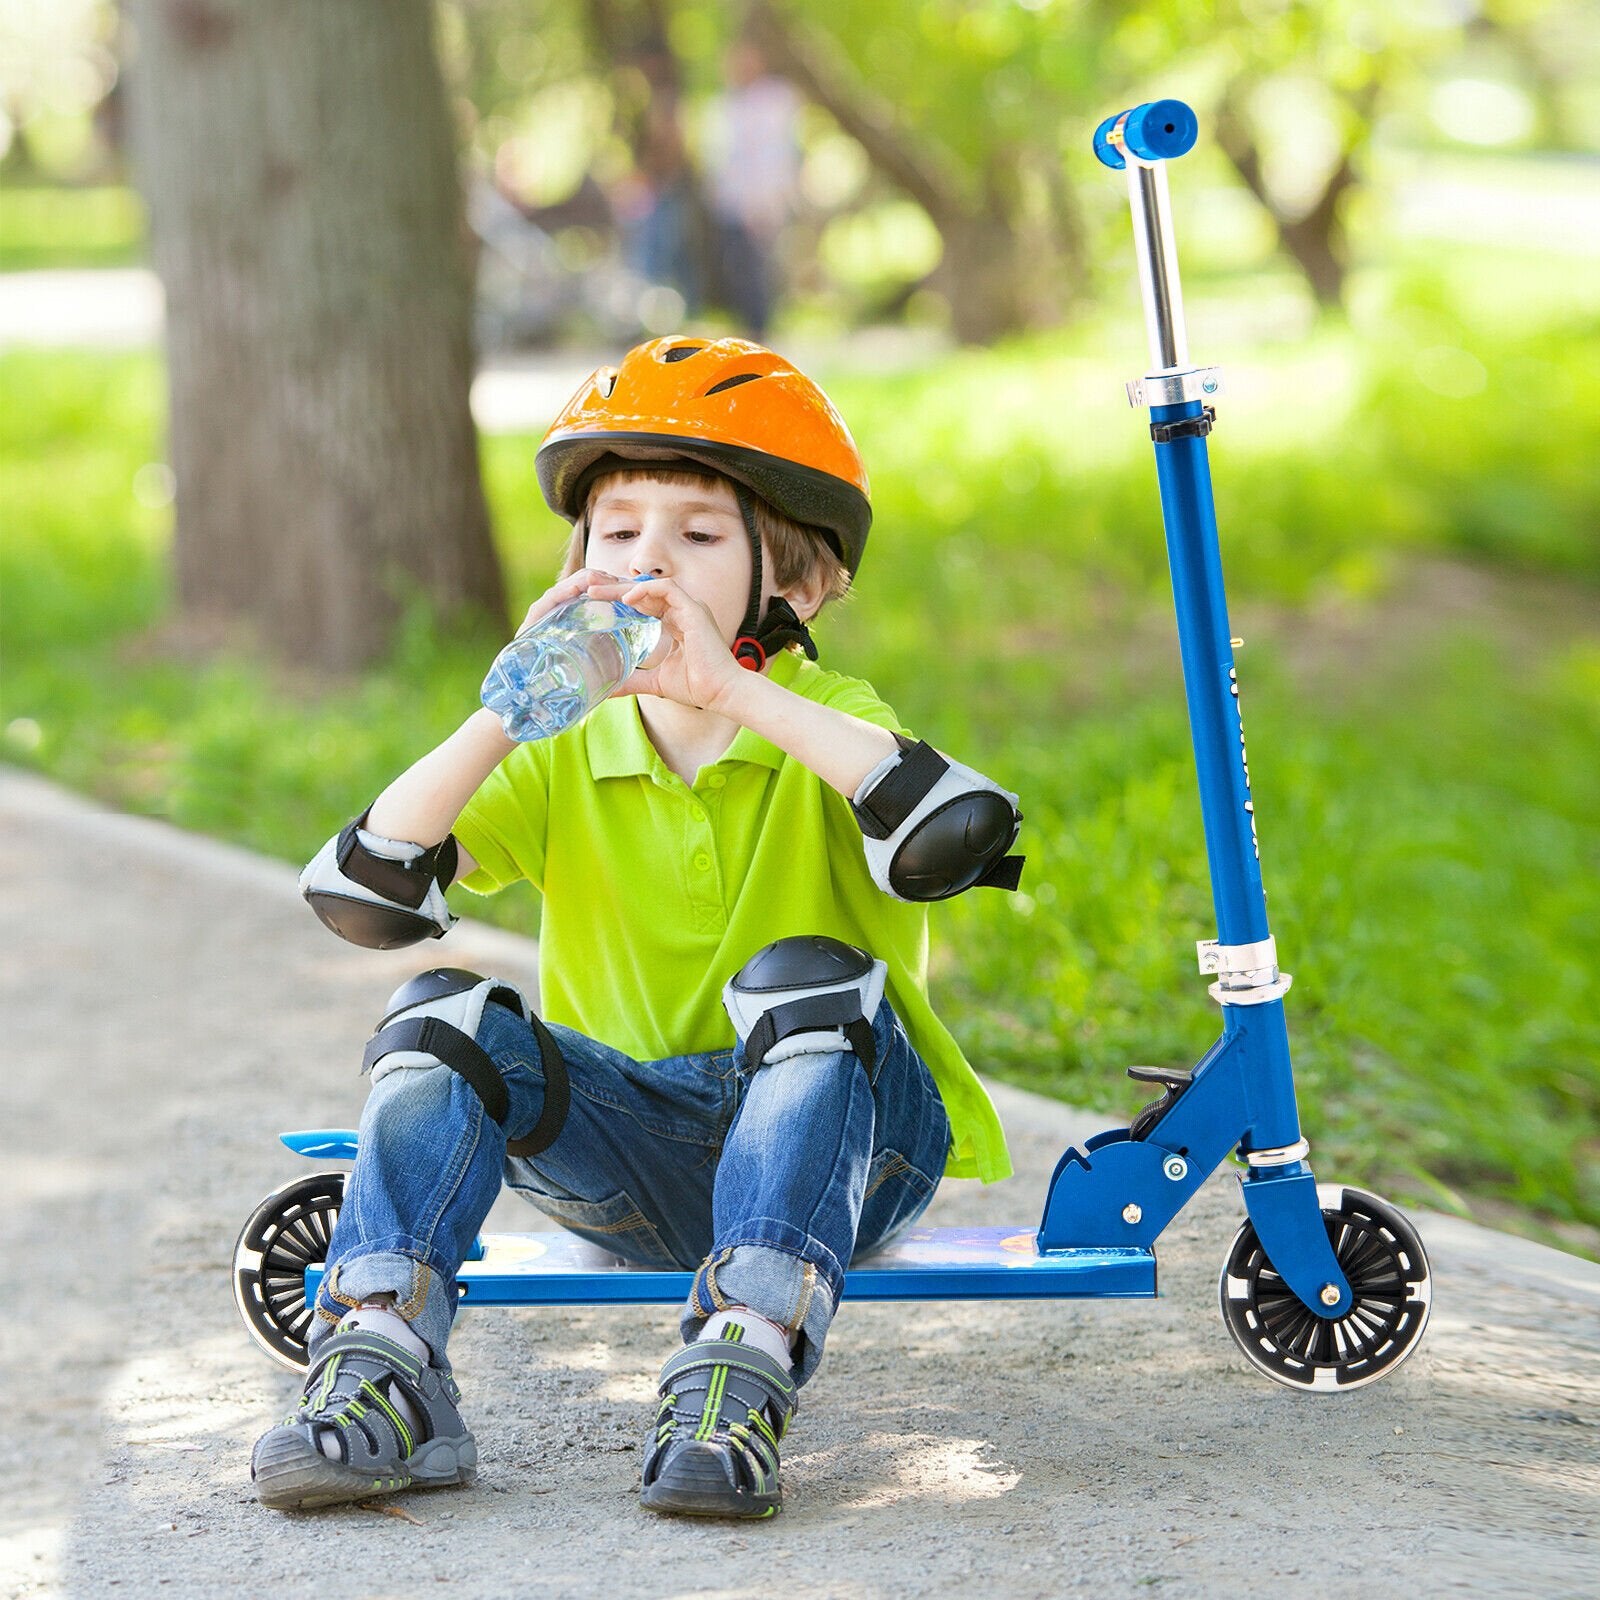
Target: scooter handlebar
[(1162, 130)]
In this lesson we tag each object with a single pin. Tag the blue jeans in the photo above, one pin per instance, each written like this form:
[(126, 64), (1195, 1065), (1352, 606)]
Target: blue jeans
[(764, 1184)]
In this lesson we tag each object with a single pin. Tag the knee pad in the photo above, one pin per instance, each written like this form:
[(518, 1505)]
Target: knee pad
[(809, 995), (934, 828), (433, 1020)]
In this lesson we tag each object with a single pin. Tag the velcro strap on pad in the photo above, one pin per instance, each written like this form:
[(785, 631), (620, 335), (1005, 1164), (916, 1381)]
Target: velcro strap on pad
[(794, 1025), (443, 1032), (461, 1010), (393, 868), (429, 1042), (557, 1096), (890, 792), (1006, 873), (402, 884)]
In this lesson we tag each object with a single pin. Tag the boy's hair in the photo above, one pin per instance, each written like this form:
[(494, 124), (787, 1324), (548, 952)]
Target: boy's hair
[(795, 551)]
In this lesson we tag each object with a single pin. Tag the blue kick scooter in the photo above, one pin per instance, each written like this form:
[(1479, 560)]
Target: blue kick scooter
[(1324, 1287)]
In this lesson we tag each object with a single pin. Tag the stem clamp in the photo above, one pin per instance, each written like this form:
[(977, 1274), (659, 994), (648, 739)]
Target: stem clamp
[(1248, 973), (1174, 388)]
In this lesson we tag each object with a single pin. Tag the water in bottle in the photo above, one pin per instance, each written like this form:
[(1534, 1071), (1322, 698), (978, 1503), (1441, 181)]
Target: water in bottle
[(556, 672)]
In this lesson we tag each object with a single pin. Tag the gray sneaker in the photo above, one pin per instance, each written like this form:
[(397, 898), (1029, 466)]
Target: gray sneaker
[(349, 1395), (712, 1450)]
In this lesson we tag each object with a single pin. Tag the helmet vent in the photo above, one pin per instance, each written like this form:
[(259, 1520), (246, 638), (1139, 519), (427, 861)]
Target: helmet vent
[(682, 352), (605, 382), (733, 382)]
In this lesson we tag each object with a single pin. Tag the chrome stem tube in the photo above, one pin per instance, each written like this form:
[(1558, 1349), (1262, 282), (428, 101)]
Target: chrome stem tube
[(1157, 253)]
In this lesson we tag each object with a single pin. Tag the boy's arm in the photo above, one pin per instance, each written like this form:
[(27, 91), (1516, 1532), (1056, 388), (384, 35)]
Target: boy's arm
[(380, 881), (422, 804), (933, 827), (839, 748)]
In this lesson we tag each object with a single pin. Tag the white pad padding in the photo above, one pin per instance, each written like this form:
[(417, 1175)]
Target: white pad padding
[(462, 1010), (955, 781), (746, 1007), (322, 876)]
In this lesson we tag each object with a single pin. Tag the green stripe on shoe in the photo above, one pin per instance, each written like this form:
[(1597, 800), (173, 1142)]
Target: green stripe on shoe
[(713, 1403), (403, 1432)]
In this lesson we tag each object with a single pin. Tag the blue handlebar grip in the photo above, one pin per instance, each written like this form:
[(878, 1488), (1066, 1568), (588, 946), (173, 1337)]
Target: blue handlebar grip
[(1159, 131)]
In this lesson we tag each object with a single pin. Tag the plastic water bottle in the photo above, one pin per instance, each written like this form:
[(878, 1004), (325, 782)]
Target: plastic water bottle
[(555, 673)]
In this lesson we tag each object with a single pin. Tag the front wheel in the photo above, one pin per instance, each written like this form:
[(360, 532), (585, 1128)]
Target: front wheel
[(1379, 1252), (289, 1231)]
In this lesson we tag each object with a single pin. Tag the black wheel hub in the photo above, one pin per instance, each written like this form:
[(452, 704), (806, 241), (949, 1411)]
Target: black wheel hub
[(289, 1231), (1379, 1252)]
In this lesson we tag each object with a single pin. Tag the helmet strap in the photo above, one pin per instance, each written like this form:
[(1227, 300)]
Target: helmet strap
[(761, 637), (752, 610)]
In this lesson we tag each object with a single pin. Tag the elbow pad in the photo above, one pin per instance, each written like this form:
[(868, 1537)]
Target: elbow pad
[(380, 893), (934, 827)]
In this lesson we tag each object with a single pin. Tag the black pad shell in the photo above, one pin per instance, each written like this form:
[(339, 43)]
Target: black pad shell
[(954, 848), (802, 961), (372, 926)]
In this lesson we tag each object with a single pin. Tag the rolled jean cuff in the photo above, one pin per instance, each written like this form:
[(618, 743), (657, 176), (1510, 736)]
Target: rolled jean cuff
[(778, 1284), (421, 1294)]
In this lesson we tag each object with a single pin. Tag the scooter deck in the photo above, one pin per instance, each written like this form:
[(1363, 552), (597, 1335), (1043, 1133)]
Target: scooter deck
[(922, 1264)]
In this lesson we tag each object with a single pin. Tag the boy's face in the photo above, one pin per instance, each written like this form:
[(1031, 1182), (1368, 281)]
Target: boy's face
[(679, 530)]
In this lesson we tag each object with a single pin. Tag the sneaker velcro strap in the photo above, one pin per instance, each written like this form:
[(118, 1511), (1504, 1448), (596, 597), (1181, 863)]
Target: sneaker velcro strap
[(361, 1342), (750, 1378)]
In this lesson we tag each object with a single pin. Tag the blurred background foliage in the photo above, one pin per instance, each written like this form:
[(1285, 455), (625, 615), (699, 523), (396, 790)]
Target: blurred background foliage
[(1389, 236)]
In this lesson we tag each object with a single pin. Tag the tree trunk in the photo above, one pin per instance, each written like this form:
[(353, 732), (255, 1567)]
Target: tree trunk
[(1316, 241), (305, 215)]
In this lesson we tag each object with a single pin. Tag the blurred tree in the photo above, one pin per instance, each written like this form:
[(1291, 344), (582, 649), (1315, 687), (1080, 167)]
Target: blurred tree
[(1310, 229), (947, 102), (978, 110), (670, 235), (299, 166), (1305, 82)]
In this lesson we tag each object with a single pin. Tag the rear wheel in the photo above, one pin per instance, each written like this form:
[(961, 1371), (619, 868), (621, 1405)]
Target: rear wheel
[(1379, 1252), (289, 1231)]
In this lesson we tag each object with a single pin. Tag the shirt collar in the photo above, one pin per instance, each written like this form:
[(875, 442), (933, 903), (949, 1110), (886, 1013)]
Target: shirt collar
[(618, 747)]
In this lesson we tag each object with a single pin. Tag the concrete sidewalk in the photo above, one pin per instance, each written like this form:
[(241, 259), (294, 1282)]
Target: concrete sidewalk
[(171, 1004), (123, 308)]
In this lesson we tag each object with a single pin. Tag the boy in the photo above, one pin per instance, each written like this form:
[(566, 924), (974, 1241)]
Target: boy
[(739, 836)]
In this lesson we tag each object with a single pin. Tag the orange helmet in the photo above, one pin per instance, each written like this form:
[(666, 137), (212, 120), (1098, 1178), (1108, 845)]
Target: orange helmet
[(729, 405)]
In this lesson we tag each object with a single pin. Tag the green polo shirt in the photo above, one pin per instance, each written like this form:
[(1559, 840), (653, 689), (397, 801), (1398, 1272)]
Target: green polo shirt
[(655, 893)]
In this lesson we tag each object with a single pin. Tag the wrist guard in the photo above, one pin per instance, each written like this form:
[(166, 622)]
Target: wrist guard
[(381, 893), (934, 828)]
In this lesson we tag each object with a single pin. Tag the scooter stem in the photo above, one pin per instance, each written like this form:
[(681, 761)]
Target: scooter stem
[(1158, 266), (1142, 141)]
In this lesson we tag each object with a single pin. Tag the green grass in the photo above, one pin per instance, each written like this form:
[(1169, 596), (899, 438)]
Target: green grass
[(53, 226), (1414, 575)]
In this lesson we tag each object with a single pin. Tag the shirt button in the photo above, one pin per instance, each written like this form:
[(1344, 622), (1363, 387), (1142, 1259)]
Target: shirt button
[(717, 779), (702, 862)]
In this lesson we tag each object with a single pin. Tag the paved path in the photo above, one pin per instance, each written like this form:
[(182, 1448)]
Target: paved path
[(121, 308), (170, 1004)]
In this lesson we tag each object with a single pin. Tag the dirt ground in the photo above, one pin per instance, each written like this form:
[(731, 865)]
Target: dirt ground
[(170, 1005)]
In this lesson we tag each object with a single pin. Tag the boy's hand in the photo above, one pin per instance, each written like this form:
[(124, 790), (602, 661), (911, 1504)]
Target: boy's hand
[(569, 588), (697, 668)]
